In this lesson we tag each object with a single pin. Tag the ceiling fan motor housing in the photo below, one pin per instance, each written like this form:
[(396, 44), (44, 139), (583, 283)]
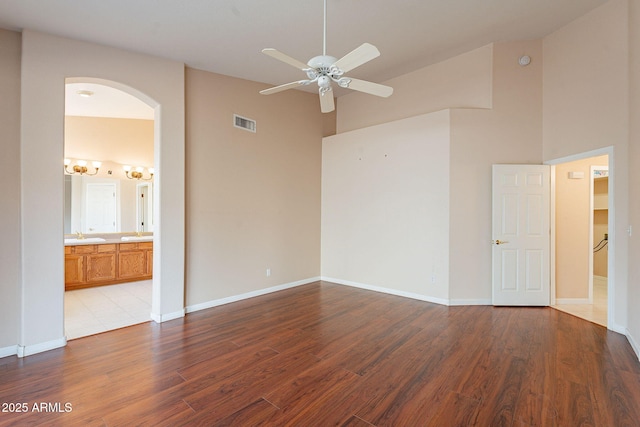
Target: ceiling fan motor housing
[(322, 64)]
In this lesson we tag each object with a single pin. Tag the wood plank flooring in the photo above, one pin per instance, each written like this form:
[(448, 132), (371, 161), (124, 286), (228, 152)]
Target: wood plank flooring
[(324, 354)]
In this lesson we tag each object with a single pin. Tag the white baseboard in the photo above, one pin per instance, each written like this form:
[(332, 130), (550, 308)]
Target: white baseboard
[(28, 350), (12, 350), (389, 291), (617, 328), (470, 302), (159, 318), (574, 301), (252, 294), (634, 344)]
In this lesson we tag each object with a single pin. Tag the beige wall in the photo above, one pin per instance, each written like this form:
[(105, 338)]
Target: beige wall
[(510, 132), (253, 199), (633, 321), (46, 62), (385, 207), (464, 81), (573, 249), (10, 261), (586, 108), (124, 141)]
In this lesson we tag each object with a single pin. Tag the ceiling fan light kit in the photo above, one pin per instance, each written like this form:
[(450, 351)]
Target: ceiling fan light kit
[(324, 69)]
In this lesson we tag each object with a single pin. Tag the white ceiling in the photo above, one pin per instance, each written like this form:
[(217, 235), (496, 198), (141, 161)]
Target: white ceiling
[(227, 36)]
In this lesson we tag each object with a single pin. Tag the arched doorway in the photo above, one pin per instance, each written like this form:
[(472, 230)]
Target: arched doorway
[(112, 124)]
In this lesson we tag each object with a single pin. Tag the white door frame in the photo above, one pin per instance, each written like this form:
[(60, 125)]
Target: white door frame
[(611, 282), (592, 170)]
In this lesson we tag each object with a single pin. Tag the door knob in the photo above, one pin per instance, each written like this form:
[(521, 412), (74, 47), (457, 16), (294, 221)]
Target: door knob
[(499, 242)]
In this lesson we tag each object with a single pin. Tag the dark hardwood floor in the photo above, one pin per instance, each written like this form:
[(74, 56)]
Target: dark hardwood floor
[(324, 354)]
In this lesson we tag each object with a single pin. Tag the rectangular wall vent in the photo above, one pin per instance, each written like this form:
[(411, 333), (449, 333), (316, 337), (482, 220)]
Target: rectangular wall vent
[(244, 123)]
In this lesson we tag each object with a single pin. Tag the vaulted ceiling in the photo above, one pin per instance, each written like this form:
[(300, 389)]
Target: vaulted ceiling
[(227, 36)]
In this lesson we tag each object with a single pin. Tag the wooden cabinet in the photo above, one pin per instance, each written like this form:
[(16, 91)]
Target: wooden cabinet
[(150, 262), (73, 267), (132, 259), (95, 265)]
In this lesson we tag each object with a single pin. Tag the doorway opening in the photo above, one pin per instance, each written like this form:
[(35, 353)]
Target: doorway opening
[(111, 259), (583, 285), (144, 207)]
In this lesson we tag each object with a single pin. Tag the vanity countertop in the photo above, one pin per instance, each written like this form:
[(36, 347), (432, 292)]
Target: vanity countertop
[(106, 238)]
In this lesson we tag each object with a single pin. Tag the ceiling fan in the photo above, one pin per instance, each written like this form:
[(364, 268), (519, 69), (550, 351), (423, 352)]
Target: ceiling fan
[(324, 69)]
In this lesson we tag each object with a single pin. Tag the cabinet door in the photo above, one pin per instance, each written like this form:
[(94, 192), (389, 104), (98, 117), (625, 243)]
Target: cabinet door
[(73, 269), (131, 264), (150, 263), (101, 267)]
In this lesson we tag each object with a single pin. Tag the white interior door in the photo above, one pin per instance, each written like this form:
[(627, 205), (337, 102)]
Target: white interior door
[(101, 208), (520, 245)]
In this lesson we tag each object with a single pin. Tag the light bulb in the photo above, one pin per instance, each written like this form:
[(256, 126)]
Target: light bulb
[(324, 82)]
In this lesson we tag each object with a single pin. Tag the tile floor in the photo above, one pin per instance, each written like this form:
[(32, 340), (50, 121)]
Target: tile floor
[(596, 312), (104, 308)]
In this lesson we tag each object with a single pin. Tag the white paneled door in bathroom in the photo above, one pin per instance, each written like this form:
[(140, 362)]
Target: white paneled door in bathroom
[(101, 208)]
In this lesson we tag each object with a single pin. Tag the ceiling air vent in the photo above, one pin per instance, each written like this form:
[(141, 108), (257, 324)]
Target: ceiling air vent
[(244, 123)]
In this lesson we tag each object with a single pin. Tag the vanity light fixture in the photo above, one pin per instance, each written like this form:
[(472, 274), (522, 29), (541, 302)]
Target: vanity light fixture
[(81, 167), (137, 173), (85, 93)]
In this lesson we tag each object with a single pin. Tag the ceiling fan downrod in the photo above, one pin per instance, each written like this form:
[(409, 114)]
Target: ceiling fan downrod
[(324, 39)]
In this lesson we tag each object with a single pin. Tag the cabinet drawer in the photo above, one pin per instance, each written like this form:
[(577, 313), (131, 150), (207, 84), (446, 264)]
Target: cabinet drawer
[(145, 245), (84, 249), (135, 246), (128, 247), (107, 248)]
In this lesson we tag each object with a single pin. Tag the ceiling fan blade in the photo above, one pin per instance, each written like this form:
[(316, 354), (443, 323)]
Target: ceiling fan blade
[(327, 104), (368, 87), (284, 58), (285, 86), (365, 53)]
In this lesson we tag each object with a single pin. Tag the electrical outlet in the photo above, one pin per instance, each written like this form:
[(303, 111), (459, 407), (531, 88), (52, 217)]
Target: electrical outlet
[(433, 278), (268, 272)]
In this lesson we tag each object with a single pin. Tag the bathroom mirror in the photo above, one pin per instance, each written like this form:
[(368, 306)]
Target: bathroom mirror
[(107, 205)]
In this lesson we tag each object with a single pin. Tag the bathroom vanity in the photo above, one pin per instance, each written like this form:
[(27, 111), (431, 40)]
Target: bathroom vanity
[(106, 261)]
